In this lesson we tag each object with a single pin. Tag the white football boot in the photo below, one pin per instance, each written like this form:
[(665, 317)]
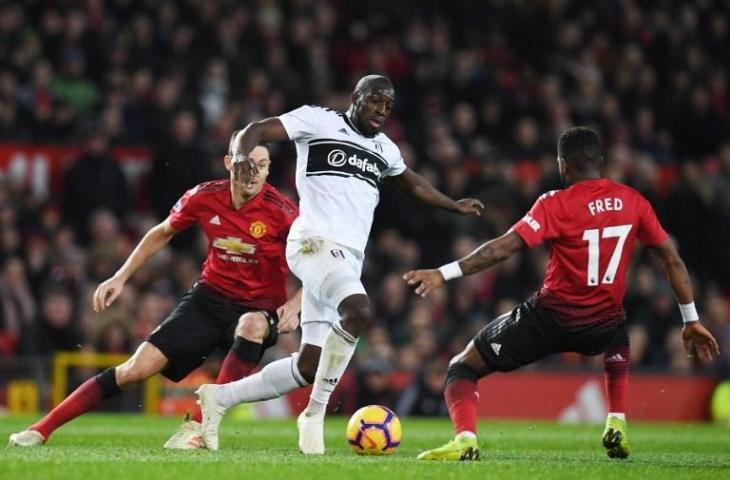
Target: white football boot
[(187, 436), (26, 438), (212, 415), (311, 433)]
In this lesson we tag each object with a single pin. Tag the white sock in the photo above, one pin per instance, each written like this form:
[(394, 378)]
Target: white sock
[(620, 416), (336, 353), (276, 379), (467, 434)]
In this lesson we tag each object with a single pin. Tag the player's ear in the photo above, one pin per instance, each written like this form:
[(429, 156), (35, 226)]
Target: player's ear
[(227, 161)]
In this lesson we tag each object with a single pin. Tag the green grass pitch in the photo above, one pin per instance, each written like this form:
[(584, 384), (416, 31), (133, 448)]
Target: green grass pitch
[(108, 447)]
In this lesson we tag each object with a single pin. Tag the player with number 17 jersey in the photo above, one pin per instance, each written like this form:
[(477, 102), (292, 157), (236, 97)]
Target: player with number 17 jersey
[(591, 227)]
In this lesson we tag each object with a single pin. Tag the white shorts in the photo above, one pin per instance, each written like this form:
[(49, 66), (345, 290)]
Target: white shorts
[(329, 273)]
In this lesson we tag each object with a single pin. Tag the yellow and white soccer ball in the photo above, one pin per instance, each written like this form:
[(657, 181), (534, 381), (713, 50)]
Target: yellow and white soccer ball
[(374, 430)]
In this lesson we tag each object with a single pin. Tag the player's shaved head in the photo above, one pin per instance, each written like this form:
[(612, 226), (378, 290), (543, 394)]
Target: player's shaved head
[(232, 143), (372, 83)]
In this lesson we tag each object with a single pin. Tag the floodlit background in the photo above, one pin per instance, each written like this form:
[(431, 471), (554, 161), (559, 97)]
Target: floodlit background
[(110, 110)]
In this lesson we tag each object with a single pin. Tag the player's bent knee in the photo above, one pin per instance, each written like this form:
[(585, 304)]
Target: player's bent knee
[(307, 368), (130, 373), (252, 326), (307, 362), (359, 314)]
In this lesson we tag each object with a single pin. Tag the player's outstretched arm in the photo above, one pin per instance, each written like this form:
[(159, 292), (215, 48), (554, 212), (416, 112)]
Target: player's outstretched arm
[(693, 333), (488, 254), (289, 313), (418, 188), (263, 131), (156, 238)]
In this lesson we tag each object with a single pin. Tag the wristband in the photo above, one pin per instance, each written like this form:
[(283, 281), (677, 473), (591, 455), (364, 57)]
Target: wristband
[(689, 312), (451, 270)]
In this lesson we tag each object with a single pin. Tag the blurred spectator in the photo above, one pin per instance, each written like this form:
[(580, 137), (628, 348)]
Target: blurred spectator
[(373, 383), (178, 164), (55, 328), (425, 395), (478, 110), (17, 306), (94, 181)]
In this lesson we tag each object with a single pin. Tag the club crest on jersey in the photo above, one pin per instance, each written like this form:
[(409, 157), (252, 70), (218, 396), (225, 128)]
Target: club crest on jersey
[(257, 229), (234, 245)]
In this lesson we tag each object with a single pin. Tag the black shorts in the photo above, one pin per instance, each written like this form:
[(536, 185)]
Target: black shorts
[(201, 322), (530, 333)]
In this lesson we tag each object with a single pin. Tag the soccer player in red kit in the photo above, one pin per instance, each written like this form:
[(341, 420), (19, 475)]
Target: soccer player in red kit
[(591, 227), (237, 304)]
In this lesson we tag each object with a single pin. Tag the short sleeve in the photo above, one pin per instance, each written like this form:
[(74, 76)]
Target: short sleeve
[(301, 123), (540, 223), (184, 213), (396, 166), (650, 231)]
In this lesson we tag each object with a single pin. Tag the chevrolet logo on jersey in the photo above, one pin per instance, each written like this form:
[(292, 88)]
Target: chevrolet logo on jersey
[(234, 245), (340, 158)]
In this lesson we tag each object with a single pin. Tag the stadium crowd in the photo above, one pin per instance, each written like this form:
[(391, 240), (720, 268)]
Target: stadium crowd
[(483, 90)]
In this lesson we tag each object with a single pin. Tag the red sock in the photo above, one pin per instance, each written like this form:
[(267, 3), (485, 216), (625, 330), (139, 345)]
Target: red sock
[(233, 368), (87, 397), (461, 399), (616, 367)]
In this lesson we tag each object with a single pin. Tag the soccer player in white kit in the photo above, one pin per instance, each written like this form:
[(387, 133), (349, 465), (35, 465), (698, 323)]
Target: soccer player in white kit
[(342, 159)]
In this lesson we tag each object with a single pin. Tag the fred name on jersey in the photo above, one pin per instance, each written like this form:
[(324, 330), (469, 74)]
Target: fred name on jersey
[(605, 205), (340, 158)]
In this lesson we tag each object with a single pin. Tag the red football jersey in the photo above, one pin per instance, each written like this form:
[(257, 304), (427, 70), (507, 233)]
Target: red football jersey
[(591, 227), (246, 260)]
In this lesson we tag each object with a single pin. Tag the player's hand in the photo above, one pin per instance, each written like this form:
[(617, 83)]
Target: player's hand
[(469, 206), (425, 281), (244, 169), (695, 334), (107, 292), (288, 318)]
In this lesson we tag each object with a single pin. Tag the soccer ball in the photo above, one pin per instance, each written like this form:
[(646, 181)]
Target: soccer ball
[(374, 430)]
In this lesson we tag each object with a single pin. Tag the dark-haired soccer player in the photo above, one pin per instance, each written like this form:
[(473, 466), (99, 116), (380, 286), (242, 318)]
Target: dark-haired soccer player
[(343, 158), (235, 305), (591, 226)]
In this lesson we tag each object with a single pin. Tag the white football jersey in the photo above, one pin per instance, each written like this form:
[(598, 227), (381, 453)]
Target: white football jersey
[(339, 171)]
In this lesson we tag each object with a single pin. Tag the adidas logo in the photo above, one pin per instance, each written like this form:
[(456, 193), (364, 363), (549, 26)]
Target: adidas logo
[(616, 358), (496, 347), (342, 130), (331, 381), (215, 220)]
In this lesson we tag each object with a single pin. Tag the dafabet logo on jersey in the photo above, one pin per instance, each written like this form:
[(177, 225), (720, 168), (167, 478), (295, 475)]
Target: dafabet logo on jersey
[(234, 245), (258, 229)]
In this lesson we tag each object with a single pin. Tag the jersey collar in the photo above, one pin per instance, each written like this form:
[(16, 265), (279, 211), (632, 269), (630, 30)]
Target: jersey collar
[(351, 124), (252, 201)]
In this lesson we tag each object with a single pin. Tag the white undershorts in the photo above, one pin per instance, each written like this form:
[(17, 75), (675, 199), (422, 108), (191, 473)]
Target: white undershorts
[(329, 273)]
